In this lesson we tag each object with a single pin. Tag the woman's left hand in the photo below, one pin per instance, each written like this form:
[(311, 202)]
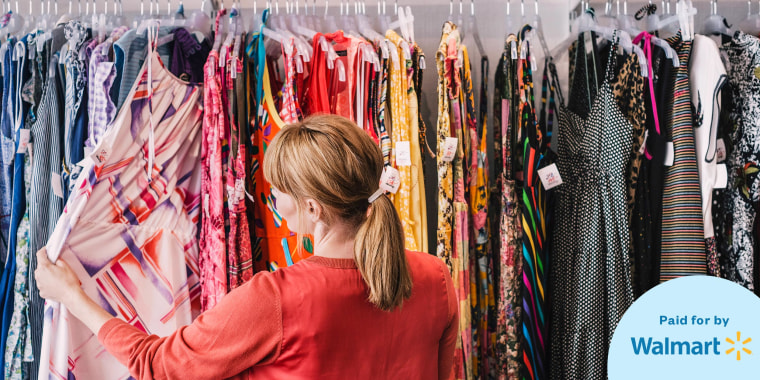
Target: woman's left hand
[(56, 281)]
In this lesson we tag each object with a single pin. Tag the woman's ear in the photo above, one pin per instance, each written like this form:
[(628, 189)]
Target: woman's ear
[(314, 211)]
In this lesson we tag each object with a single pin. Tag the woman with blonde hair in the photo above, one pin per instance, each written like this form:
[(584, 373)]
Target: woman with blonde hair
[(361, 308)]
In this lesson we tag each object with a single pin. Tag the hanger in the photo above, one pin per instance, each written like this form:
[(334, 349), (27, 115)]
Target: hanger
[(716, 24), (474, 28), (538, 30), (682, 20), (751, 24), (609, 19)]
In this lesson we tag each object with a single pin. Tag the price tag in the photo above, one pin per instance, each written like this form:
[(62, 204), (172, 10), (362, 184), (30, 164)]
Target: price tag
[(533, 64), (390, 180), (669, 154), (23, 141), (450, 148), (100, 154), (550, 177), (720, 152), (239, 189), (721, 179), (644, 144), (206, 205), (55, 181), (514, 49), (403, 154)]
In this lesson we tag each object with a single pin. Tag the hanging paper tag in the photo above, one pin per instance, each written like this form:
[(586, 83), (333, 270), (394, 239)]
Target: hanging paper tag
[(720, 151), (231, 198), (514, 49), (550, 177), (299, 64), (669, 154), (423, 65), (644, 143), (239, 189), (403, 154), (55, 181), (721, 178), (23, 141), (100, 154), (390, 180), (342, 71), (533, 64), (523, 49), (450, 148)]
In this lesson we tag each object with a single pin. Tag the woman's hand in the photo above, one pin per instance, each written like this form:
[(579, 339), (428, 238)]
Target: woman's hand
[(56, 282)]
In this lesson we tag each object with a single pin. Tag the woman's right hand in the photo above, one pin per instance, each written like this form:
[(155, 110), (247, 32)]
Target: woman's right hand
[(56, 281)]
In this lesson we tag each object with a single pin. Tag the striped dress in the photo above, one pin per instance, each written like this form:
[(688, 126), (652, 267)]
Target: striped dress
[(683, 244)]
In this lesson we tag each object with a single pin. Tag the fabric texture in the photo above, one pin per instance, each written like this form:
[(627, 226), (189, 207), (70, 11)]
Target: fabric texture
[(590, 245), (683, 245), (131, 238)]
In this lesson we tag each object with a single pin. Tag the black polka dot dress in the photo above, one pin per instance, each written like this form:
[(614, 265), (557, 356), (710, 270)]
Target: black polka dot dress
[(590, 274)]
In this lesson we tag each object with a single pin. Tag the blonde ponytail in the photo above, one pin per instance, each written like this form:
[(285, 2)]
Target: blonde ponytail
[(380, 256), (330, 159)]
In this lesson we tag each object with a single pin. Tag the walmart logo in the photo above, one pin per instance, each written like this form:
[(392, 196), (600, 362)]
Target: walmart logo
[(651, 346), (741, 343)]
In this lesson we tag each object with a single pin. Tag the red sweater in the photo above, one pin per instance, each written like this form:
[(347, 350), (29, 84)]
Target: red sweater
[(308, 321)]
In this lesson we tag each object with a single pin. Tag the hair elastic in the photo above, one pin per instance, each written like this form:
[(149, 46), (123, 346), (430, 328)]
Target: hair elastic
[(376, 195)]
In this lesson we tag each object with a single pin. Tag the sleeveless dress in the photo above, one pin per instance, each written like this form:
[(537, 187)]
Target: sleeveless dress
[(591, 241)]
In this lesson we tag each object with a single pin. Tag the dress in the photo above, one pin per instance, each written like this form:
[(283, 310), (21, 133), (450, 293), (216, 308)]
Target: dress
[(707, 75), (509, 221), (591, 241), (683, 243), (276, 242), (738, 202), (129, 232)]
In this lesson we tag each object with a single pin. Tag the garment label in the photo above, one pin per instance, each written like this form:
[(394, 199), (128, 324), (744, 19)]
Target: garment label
[(669, 154), (450, 148), (720, 151), (514, 49), (390, 180), (550, 176), (100, 154), (403, 154), (55, 181), (721, 178), (643, 147), (23, 141)]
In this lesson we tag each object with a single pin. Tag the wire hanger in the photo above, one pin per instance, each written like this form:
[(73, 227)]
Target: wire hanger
[(474, 28)]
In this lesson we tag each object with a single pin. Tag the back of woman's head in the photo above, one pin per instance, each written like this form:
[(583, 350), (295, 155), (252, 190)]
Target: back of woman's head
[(331, 160)]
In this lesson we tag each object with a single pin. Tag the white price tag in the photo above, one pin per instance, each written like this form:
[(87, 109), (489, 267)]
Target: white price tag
[(239, 189), (533, 64), (403, 154), (721, 179), (720, 151), (669, 154), (514, 49), (390, 180), (100, 154), (644, 143), (23, 141), (450, 148), (231, 199), (55, 181), (550, 176)]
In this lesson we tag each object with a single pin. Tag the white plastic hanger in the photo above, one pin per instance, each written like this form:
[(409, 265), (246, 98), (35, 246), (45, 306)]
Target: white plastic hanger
[(751, 24), (716, 24)]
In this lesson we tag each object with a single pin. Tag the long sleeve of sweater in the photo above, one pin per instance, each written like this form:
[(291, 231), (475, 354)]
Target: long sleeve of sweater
[(243, 330)]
